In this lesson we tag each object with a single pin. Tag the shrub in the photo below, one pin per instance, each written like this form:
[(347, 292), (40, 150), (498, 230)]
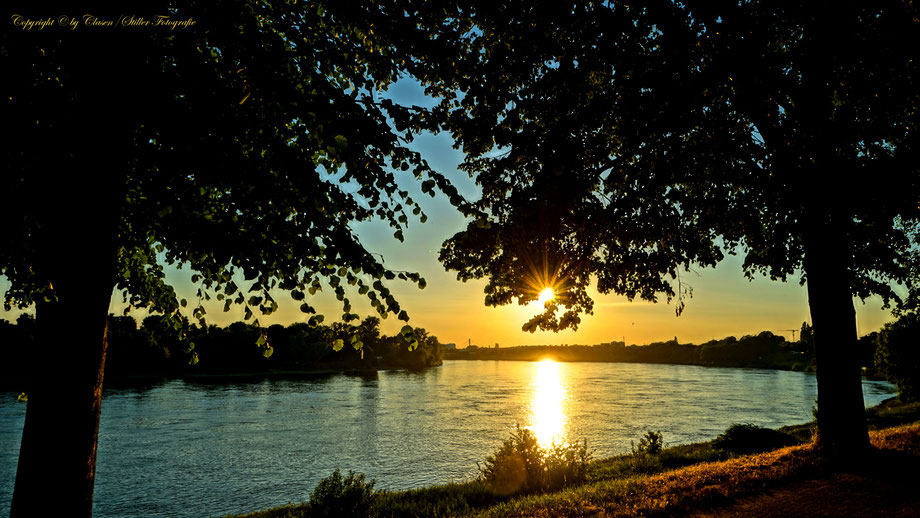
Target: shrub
[(650, 444), (749, 438), (522, 465), (566, 465), (337, 496), (644, 457), (897, 356)]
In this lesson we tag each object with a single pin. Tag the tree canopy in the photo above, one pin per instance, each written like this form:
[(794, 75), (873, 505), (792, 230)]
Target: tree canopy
[(631, 142), (626, 143), (254, 140), (243, 143)]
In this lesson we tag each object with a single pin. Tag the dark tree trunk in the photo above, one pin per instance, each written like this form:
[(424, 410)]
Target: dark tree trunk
[(57, 458), (842, 431), (76, 189), (76, 254), (76, 249)]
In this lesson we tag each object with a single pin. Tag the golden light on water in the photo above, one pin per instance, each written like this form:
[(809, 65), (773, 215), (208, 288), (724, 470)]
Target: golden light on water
[(547, 418)]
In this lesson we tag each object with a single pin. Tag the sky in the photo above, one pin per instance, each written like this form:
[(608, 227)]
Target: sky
[(724, 302)]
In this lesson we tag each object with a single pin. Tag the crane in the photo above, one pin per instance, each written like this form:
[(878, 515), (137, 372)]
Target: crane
[(794, 331)]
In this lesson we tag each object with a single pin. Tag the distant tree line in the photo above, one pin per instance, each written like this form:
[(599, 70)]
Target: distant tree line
[(158, 347), (764, 350)]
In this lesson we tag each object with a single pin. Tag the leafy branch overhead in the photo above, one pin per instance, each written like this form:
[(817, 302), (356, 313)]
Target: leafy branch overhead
[(260, 141), (631, 142)]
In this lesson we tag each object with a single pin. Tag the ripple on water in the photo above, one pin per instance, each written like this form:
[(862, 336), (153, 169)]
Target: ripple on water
[(199, 449)]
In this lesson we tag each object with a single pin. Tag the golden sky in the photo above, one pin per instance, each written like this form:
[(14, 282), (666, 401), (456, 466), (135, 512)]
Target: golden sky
[(723, 304)]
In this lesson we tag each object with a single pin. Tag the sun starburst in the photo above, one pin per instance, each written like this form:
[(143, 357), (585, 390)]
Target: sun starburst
[(546, 295)]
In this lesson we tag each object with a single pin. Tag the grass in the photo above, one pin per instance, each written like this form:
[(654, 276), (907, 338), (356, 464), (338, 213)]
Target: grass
[(701, 485), (670, 491), (671, 482)]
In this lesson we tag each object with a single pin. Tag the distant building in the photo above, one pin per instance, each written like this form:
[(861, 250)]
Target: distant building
[(450, 347)]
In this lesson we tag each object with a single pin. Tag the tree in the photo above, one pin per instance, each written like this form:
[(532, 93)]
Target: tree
[(629, 142), (807, 336), (241, 145), (897, 356)]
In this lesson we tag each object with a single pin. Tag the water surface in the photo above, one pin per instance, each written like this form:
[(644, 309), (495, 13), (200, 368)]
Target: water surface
[(209, 447)]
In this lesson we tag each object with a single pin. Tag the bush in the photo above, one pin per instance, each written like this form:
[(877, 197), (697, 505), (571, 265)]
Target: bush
[(522, 465), (337, 496), (897, 355), (565, 465), (650, 444), (749, 438), (644, 457)]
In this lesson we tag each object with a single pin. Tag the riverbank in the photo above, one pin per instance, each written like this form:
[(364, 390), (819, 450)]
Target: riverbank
[(307, 372), (791, 481), (9, 384), (763, 351), (709, 479), (161, 349)]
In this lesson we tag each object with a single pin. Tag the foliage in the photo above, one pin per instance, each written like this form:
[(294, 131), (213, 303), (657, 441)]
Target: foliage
[(897, 355), (700, 487), (454, 499), (763, 350), (893, 412), (338, 496), (16, 341), (241, 163), (806, 337), (748, 438), (522, 465), (670, 493), (867, 351), (690, 131), (644, 457), (157, 349), (242, 148), (629, 144), (650, 444)]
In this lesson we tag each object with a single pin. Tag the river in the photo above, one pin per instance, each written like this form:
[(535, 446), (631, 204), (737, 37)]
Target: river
[(208, 447)]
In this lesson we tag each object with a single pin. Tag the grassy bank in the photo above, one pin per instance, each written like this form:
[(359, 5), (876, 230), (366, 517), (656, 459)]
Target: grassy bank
[(671, 481)]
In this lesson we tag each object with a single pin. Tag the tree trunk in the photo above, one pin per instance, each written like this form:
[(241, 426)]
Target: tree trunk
[(842, 431), (75, 247), (57, 458), (75, 189)]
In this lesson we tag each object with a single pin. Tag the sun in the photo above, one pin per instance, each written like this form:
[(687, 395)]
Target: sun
[(546, 295)]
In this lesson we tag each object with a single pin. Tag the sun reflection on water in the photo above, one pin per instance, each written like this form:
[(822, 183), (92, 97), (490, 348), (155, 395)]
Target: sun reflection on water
[(548, 419)]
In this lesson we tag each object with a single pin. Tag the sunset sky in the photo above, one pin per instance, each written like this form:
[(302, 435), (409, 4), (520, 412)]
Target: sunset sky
[(724, 302)]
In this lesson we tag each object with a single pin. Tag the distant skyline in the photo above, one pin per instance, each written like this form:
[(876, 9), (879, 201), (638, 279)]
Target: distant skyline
[(724, 303)]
